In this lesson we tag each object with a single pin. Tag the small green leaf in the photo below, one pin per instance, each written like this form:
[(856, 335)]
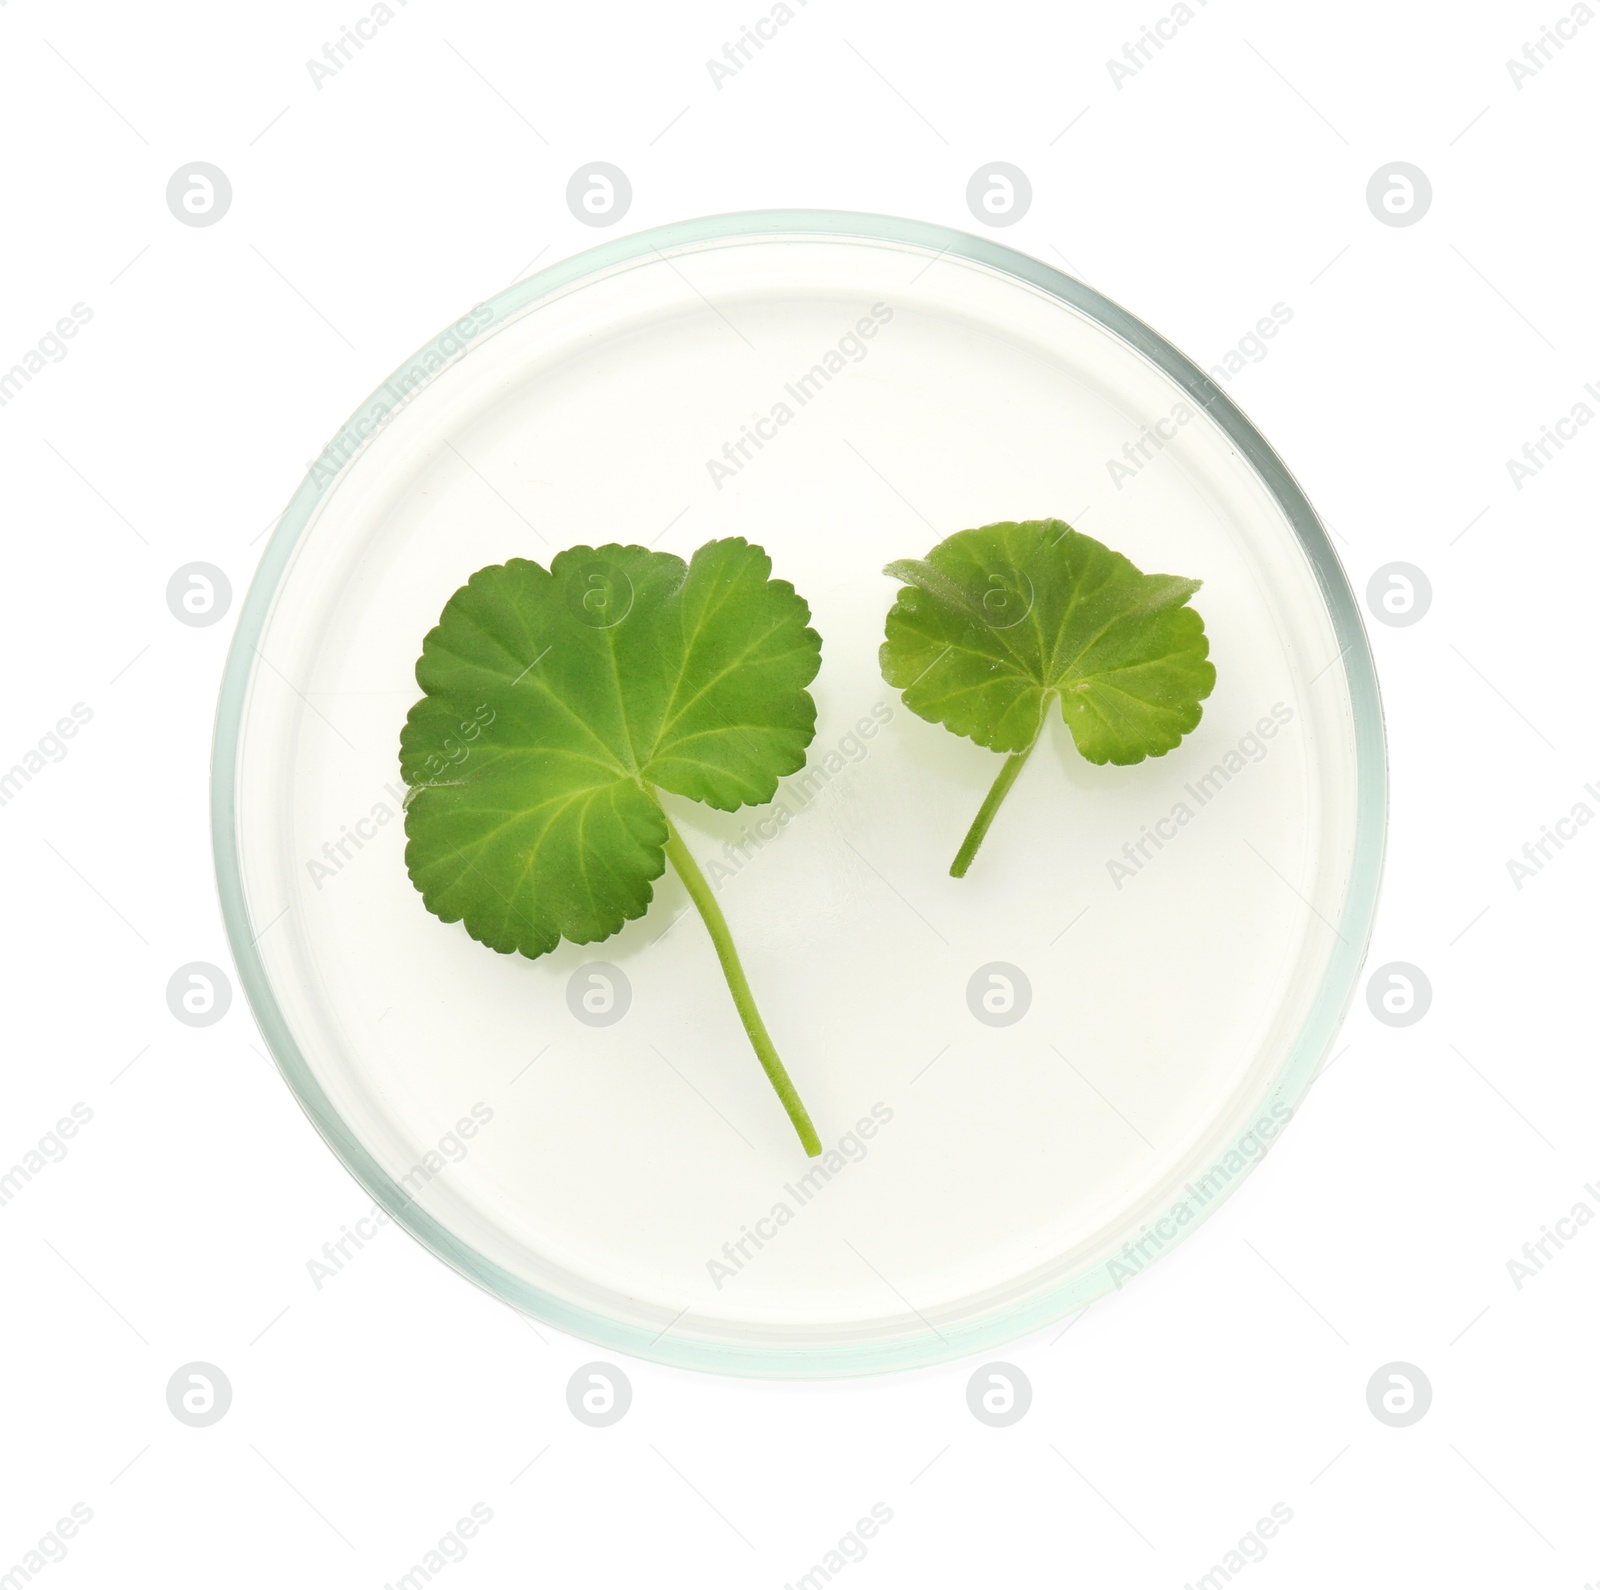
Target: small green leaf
[(557, 702), (996, 624)]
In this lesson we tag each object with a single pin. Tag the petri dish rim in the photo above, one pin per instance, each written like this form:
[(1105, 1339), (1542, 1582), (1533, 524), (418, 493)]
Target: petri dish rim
[(1303, 1056)]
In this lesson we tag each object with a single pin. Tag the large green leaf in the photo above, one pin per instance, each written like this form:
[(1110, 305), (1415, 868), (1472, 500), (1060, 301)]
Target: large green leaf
[(557, 700)]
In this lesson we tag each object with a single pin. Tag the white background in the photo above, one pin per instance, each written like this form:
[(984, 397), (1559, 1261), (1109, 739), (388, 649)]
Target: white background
[(1228, 174)]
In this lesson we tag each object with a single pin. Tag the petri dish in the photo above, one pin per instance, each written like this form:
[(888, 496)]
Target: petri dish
[(1031, 1082)]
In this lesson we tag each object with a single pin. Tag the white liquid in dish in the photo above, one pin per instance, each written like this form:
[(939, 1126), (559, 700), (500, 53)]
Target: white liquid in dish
[(1177, 921)]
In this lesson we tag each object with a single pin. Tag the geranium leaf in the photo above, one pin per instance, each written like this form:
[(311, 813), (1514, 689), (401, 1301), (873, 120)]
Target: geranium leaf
[(996, 624), (558, 701)]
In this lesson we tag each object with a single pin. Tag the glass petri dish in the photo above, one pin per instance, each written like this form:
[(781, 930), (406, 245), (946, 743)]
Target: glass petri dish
[(1032, 1082)]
